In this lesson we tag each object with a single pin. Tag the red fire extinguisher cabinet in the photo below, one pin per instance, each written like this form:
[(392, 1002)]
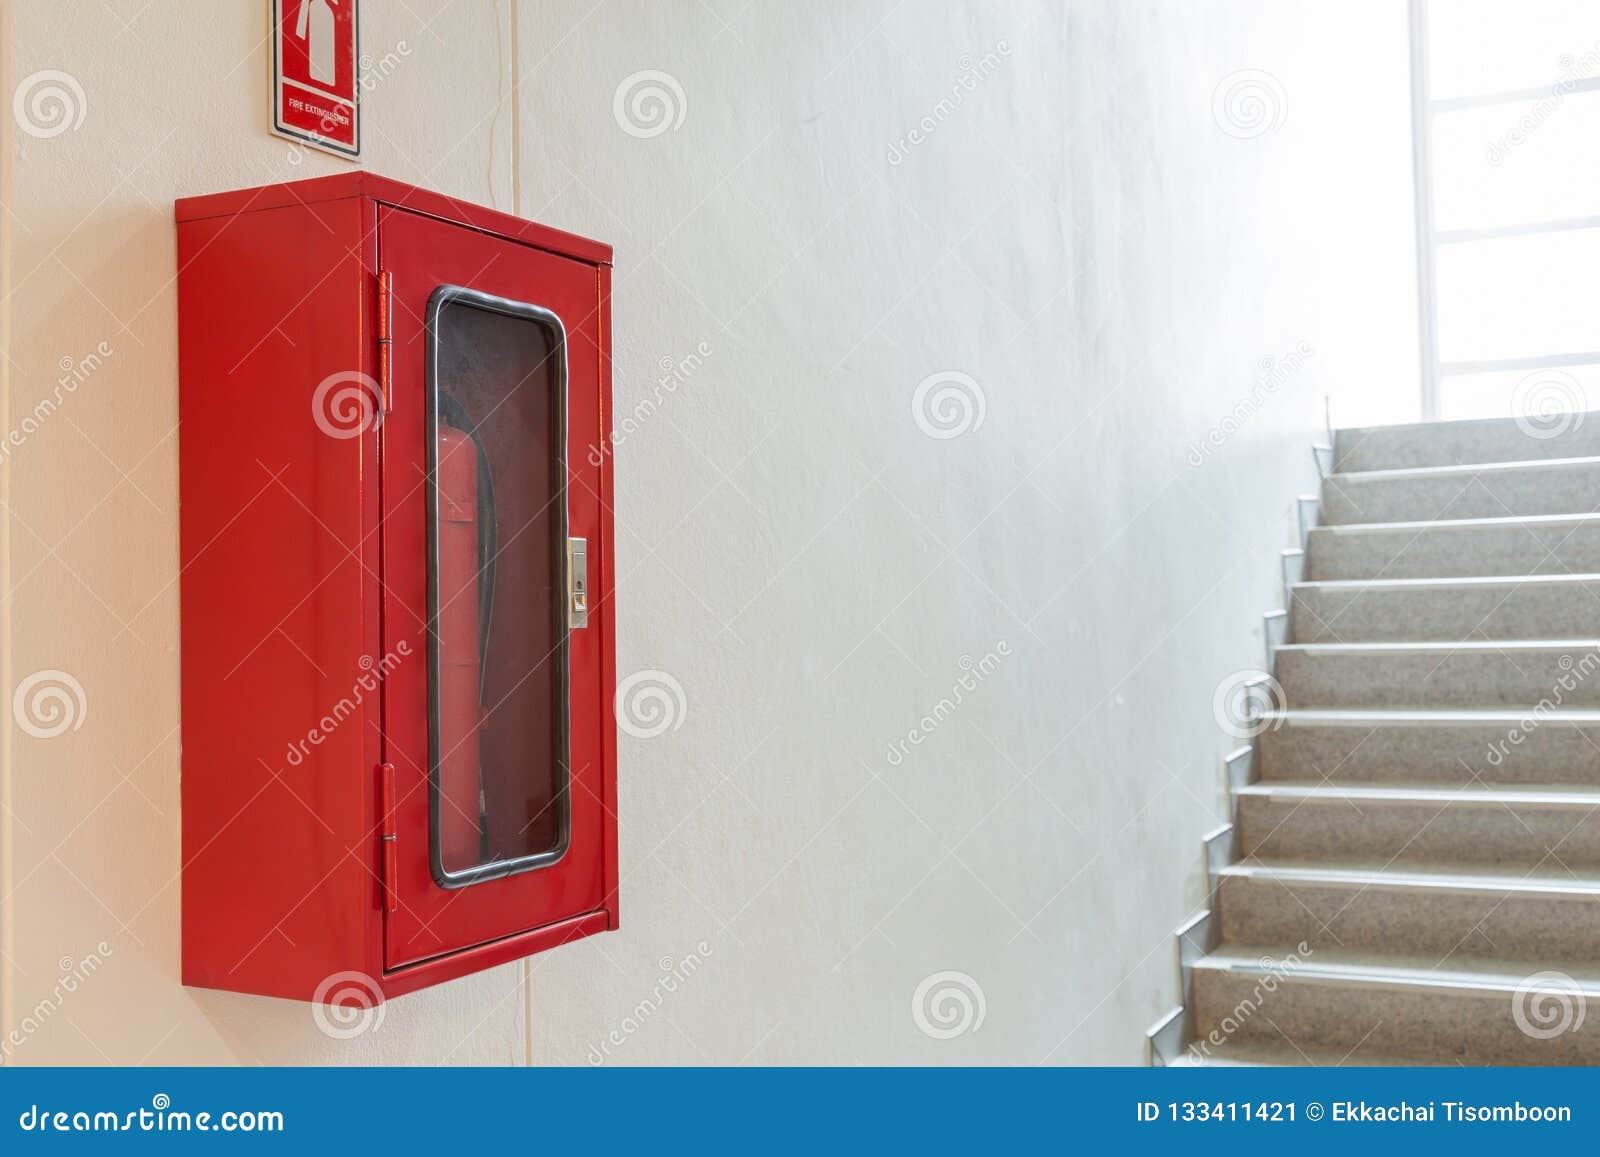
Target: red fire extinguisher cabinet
[(399, 755)]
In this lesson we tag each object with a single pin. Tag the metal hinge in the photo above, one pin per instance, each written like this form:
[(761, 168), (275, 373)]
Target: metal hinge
[(388, 836), (385, 339)]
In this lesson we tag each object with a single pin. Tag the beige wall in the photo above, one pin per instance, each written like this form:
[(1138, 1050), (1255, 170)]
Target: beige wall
[(1108, 255)]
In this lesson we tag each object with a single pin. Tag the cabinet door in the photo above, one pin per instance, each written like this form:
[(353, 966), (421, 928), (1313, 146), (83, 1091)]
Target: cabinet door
[(493, 702)]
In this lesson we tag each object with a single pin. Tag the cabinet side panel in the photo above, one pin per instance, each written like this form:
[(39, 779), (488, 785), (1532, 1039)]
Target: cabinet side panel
[(280, 695)]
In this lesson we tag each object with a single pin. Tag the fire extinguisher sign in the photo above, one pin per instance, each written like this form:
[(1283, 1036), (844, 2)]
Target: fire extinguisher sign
[(316, 73)]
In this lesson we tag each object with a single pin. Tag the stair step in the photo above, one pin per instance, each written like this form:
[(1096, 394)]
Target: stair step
[(1441, 674), (1230, 1054), (1465, 879), (1446, 609), (1456, 443), (1553, 795), (1556, 544), (1422, 840), (1559, 746), (1451, 912), (1480, 490), (1468, 1012), (1553, 829)]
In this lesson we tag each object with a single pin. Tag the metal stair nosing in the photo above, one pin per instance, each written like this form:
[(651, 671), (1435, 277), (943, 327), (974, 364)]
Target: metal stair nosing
[(1276, 630), (1193, 939), (1198, 936), (1307, 506)]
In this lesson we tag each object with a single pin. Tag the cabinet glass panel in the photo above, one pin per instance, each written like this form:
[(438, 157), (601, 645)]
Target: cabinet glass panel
[(497, 640)]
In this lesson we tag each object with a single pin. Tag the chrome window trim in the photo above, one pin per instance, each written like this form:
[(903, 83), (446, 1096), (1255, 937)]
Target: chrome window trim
[(441, 298)]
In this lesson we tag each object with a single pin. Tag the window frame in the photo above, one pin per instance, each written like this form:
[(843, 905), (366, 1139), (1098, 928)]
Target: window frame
[(442, 297)]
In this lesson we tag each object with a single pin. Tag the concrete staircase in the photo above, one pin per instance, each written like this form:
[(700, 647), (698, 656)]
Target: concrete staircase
[(1412, 874)]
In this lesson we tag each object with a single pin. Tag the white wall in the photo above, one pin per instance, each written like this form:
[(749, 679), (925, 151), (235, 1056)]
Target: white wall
[(1080, 235)]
